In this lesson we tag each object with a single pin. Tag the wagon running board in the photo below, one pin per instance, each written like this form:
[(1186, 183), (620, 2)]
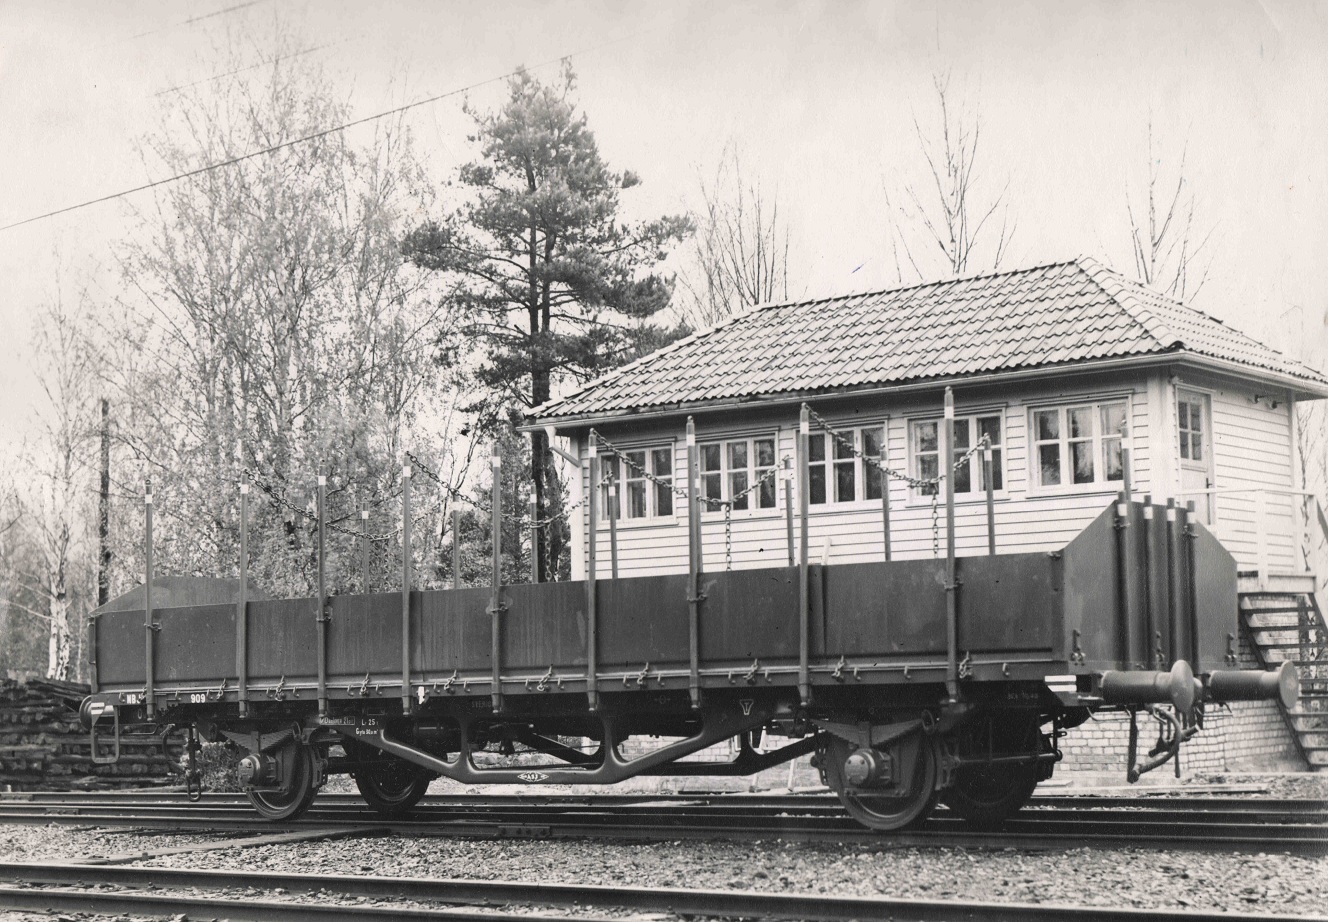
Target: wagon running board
[(718, 723)]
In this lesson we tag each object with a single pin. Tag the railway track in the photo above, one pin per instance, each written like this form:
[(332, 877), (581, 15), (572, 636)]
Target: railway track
[(196, 894), (1056, 822)]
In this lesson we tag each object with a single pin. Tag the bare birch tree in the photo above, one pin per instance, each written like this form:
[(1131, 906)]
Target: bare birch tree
[(51, 561), (956, 220), (1167, 245), (740, 255), (270, 324)]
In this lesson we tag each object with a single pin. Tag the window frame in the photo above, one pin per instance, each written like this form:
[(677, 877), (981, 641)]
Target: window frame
[(859, 467), (622, 479), (726, 472), (978, 492), (1097, 403)]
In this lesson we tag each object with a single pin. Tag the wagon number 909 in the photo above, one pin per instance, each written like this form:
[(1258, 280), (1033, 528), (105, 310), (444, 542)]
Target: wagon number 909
[(198, 698)]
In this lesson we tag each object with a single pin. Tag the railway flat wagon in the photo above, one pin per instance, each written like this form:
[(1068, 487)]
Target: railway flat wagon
[(950, 678)]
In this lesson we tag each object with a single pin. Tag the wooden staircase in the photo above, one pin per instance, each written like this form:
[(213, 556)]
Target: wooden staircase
[(1282, 621)]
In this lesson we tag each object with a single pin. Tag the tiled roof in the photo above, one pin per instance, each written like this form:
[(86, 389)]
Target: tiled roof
[(1074, 311)]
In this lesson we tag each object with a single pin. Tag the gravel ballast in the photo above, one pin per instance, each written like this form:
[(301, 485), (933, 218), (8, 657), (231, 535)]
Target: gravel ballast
[(1122, 878)]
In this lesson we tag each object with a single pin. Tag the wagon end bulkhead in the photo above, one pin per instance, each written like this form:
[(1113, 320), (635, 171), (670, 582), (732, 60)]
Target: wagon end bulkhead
[(907, 685)]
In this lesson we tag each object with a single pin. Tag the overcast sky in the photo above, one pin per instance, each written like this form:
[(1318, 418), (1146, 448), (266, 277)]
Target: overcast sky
[(819, 97)]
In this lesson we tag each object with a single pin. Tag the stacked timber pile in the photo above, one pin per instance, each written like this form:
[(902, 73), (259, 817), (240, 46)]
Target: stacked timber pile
[(43, 747)]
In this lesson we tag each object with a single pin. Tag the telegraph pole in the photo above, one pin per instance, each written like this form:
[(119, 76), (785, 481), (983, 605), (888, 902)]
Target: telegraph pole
[(104, 509)]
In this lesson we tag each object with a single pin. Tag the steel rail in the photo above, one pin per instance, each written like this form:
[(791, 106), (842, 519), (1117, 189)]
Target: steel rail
[(350, 809), (811, 800), (676, 814), (487, 894), (1048, 832)]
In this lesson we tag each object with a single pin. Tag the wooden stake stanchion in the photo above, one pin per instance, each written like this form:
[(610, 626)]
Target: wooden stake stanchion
[(242, 607), (322, 597), (592, 533), (149, 627), (405, 587), (496, 605), (945, 468), (804, 583)]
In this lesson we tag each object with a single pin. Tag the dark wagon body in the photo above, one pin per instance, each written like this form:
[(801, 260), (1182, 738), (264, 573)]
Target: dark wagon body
[(1121, 609)]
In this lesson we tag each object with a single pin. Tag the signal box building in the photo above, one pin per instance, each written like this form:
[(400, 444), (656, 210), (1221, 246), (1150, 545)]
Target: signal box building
[(1067, 370)]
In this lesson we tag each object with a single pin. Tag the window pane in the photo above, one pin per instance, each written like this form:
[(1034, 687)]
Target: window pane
[(872, 475), (816, 447), (1196, 417), (711, 488), (1048, 425), (961, 435), (1111, 449), (997, 478), (1081, 454), (662, 462), (816, 484), (927, 471), (637, 458), (711, 457), (845, 491), (766, 494), (963, 475), (636, 499), (925, 435), (1183, 412), (765, 452), (1113, 418), (1196, 447), (738, 483), (1049, 465), (990, 426), (663, 500), (737, 456), (1081, 423), (844, 446), (871, 443)]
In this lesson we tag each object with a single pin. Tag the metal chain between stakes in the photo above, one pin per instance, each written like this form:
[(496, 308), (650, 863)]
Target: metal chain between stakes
[(279, 501), (916, 482)]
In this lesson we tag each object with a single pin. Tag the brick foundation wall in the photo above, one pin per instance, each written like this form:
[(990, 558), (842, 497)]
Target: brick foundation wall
[(1250, 736)]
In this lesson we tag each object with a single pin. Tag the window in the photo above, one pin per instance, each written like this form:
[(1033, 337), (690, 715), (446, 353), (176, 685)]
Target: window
[(640, 497), (1190, 417), (728, 469), (1078, 445), (835, 474), (968, 431)]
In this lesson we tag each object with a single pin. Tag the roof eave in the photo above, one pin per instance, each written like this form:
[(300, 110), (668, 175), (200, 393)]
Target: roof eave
[(1301, 388)]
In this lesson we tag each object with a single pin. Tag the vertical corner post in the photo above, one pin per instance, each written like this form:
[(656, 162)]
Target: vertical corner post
[(693, 570), (613, 510), (804, 582), (592, 550), (366, 551), (1125, 580), (788, 475), (149, 626), (987, 479), (496, 604), (945, 470), (242, 608), (534, 541), (406, 578), (1176, 649), (885, 486), (322, 595), (456, 546), (1152, 640)]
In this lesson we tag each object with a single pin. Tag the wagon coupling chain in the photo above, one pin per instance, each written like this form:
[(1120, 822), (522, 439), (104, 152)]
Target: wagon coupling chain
[(966, 666), (838, 674), (919, 483)]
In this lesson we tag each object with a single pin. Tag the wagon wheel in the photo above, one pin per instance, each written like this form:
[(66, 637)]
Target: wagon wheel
[(289, 804), (884, 812), (987, 795), (392, 786)]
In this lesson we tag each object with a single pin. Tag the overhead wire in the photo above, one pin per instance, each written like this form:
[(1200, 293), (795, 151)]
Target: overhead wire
[(314, 136)]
